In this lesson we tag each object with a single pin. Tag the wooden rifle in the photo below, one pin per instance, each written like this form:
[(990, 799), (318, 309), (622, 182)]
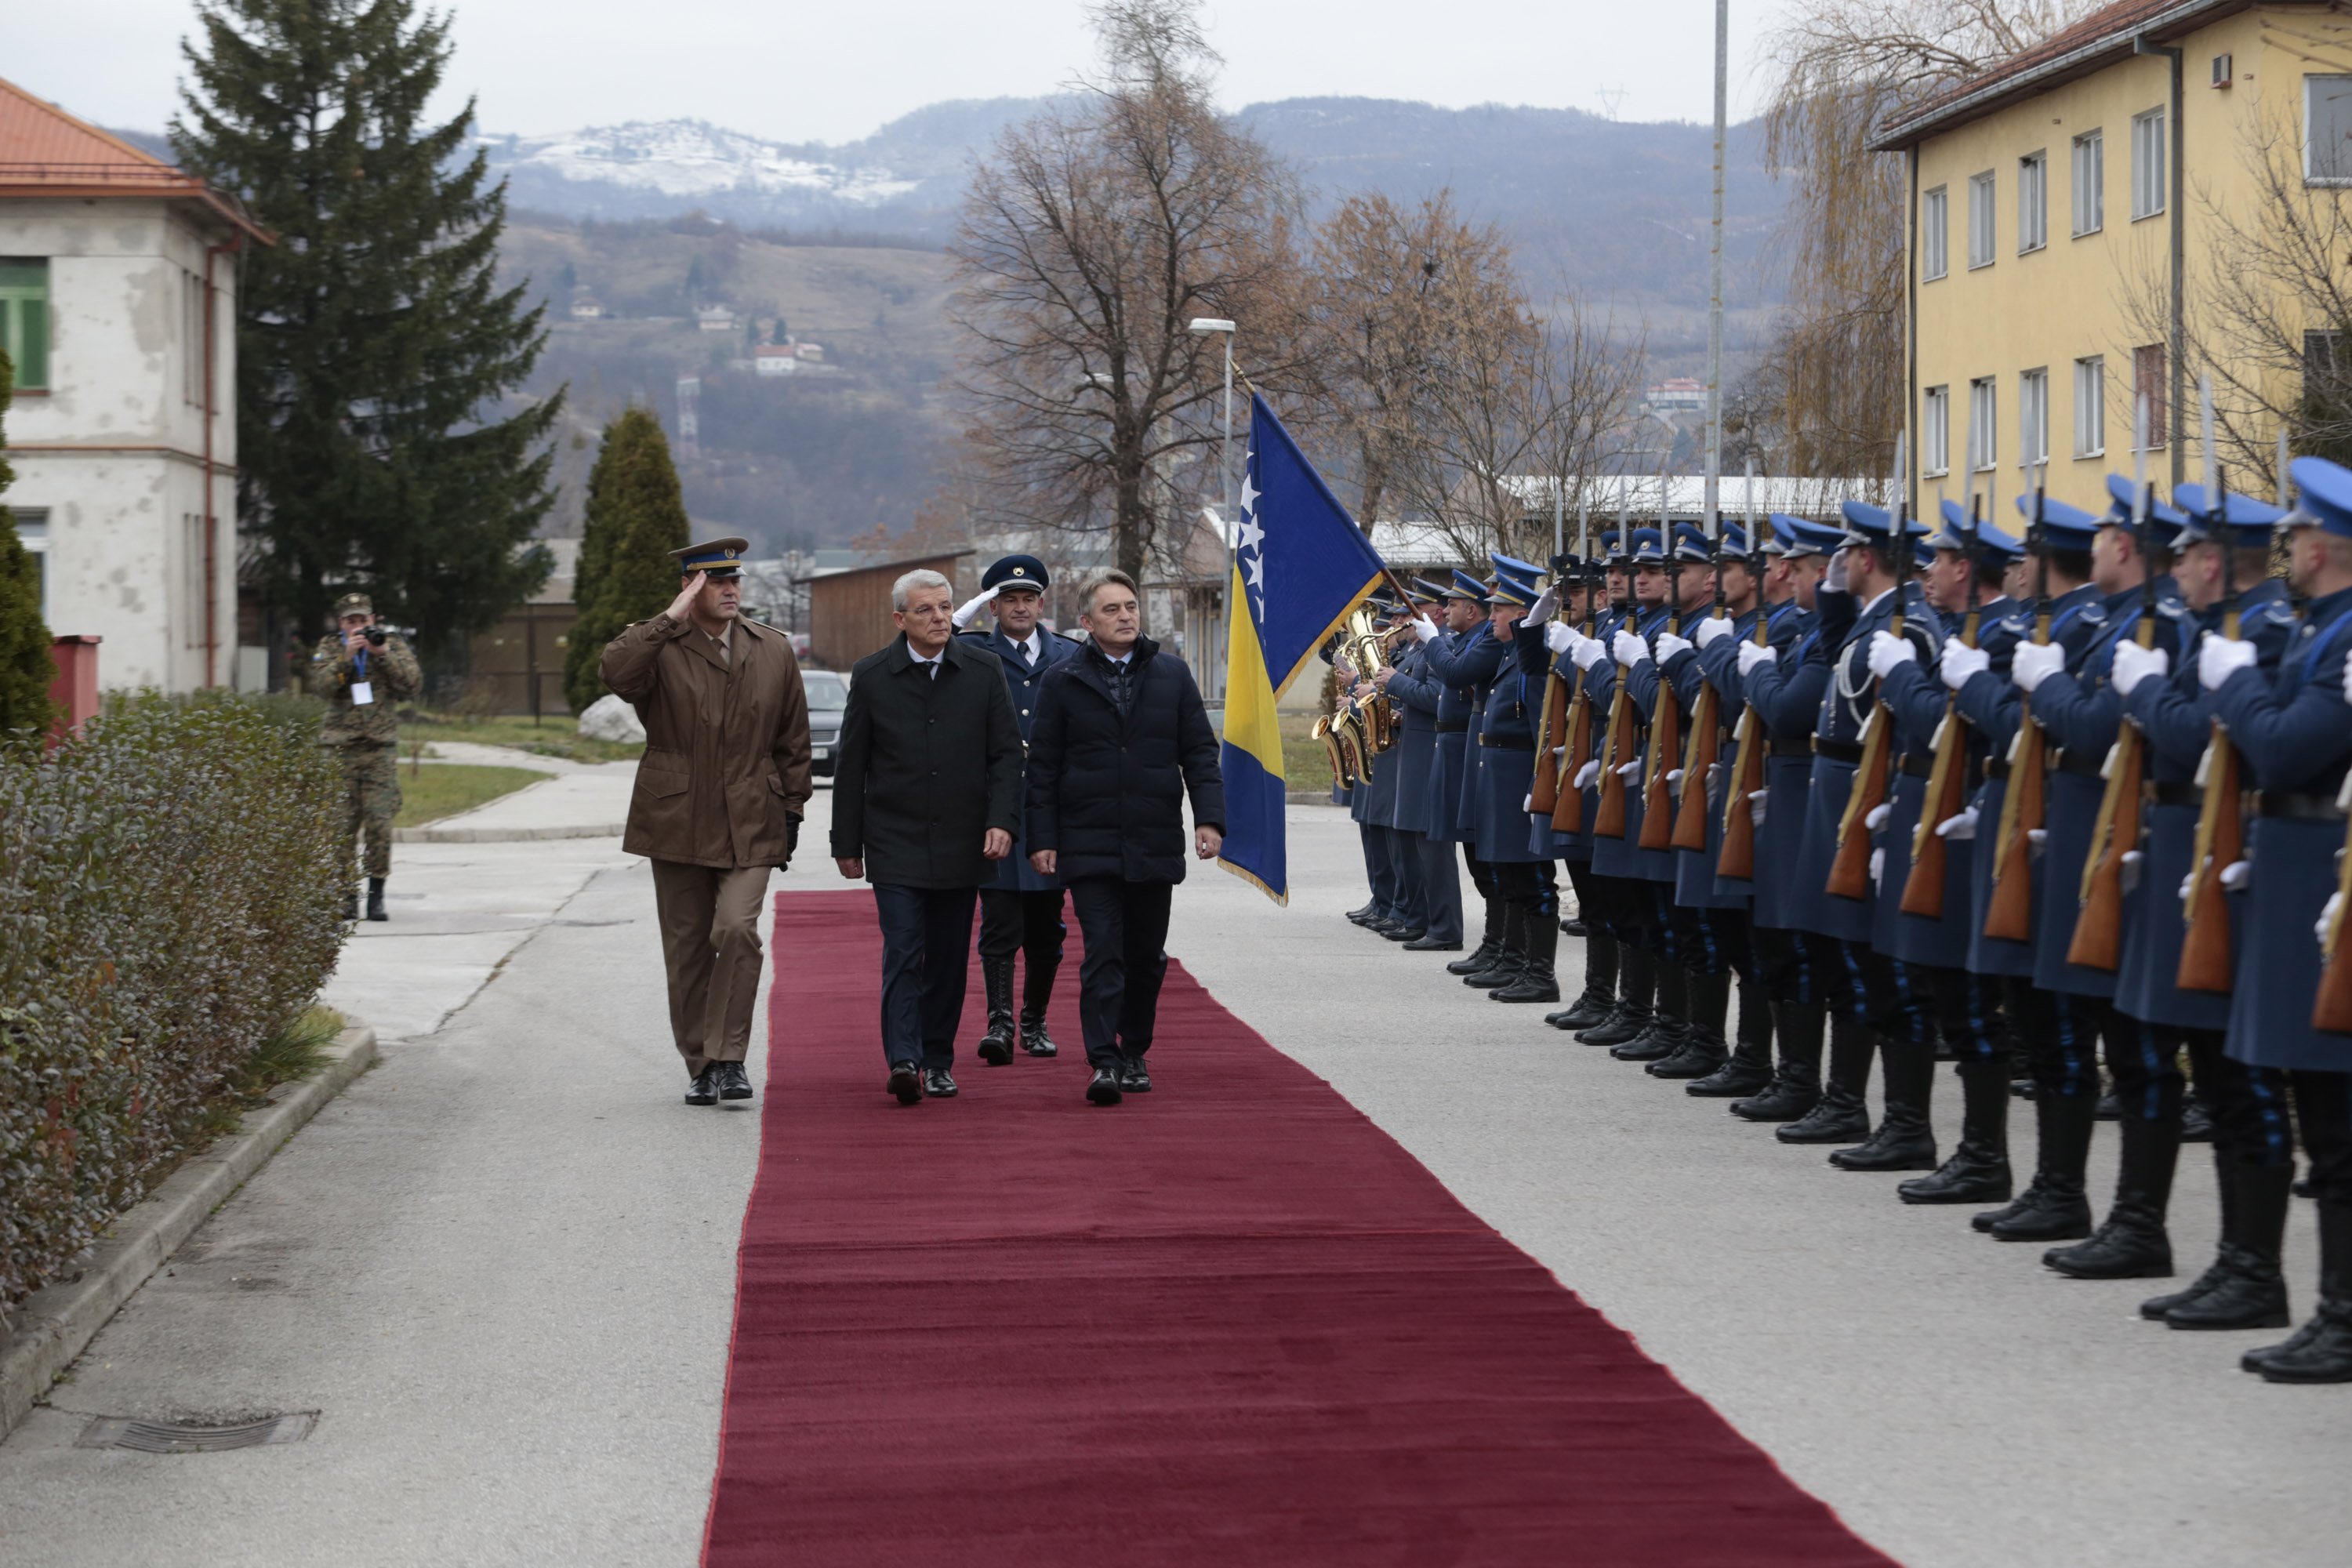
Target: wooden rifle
[(2206, 960), (2098, 939), (1666, 714), (1705, 746), (1850, 871), (1948, 782), (1737, 859), (1568, 813), (1608, 815), (1543, 795), (2009, 915)]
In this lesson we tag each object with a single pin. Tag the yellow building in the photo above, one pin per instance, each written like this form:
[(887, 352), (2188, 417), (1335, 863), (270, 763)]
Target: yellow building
[(2106, 214)]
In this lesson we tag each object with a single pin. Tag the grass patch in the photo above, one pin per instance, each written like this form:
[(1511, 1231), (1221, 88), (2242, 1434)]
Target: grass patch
[(557, 736), (444, 789), (293, 1051), (1306, 764)]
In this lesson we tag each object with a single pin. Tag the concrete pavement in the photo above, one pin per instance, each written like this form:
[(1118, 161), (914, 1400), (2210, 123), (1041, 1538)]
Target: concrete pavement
[(501, 1267)]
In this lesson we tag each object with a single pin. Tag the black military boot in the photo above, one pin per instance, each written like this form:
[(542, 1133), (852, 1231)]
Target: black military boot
[(1536, 981), (1843, 1114), (1482, 957), (1978, 1171), (1703, 1048), (2245, 1288), (1036, 993), (351, 905), (2053, 1207), (2320, 1351), (1749, 1067), (1796, 1086), (1508, 956), (1668, 1019), (2132, 1244), (1637, 986), (995, 1046), (375, 900), (1599, 987), (1905, 1139)]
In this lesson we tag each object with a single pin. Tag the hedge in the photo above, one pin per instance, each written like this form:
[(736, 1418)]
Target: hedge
[(171, 883)]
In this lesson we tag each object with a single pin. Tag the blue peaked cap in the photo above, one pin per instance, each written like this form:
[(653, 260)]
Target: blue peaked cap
[(2249, 522), (1648, 545), (2164, 521), (2063, 527), (1954, 535), (1867, 524), (2322, 497), (1426, 592), (1466, 586)]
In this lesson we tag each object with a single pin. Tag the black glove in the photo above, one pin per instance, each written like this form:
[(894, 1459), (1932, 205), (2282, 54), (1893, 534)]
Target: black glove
[(791, 835)]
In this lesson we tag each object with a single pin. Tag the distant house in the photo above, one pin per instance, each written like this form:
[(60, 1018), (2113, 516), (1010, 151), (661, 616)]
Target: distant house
[(1682, 396), (809, 354), (775, 359), (584, 308), (118, 305), (519, 661), (715, 319)]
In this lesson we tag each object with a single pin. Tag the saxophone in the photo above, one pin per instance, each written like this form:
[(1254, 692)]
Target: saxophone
[(1366, 648)]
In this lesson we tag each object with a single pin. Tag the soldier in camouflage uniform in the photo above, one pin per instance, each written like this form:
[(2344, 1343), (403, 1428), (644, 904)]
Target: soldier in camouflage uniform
[(361, 671)]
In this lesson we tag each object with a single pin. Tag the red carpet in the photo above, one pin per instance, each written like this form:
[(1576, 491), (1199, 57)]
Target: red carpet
[(1229, 1322)]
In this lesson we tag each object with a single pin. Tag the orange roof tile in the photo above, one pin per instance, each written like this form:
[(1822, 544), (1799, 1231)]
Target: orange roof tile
[(44, 150)]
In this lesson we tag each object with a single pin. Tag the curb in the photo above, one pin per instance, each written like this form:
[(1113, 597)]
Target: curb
[(503, 835), (1308, 797), (56, 1324)]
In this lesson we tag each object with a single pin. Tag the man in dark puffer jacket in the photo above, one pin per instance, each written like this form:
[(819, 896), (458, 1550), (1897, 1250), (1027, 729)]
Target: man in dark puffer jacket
[(1120, 737)]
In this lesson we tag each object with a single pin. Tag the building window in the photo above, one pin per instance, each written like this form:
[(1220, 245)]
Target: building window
[(33, 533), (2090, 183), (1981, 231), (2148, 383), (2327, 129), (1936, 430), (192, 357), (1934, 241), (1984, 403), (2147, 163), (24, 319), (2033, 417), (2091, 406), (2032, 202)]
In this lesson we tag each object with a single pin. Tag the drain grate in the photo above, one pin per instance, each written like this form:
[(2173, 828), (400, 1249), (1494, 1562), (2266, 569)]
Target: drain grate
[(174, 1437)]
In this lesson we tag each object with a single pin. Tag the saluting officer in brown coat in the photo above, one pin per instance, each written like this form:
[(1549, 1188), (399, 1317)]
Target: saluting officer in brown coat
[(719, 796)]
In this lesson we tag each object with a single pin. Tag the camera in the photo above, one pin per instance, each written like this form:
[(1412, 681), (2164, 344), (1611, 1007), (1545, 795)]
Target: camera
[(374, 635)]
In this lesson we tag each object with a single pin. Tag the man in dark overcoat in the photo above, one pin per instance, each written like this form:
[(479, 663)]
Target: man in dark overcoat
[(1121, 737), (925, 797)]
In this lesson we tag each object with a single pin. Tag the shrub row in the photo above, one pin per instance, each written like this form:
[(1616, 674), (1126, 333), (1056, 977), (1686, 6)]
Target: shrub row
[(171, 882)]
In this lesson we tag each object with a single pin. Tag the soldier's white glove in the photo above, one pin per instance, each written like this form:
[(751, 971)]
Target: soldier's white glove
[(2135, 664), (1708, 630), (1961, 661), (1756, 805), (2236, 874), (971, 606), (2348, 677), (1560, 637), (1546, 603), (1628, 648), (1632, 770), (2188, 886), (1673, 776), (1835, 578), (2037, 838), (1670, 645), (2221, 659), (1588, 652), (1422, 630), (1887, 651), (2326, 917), (2129, 882), (1878, 817), (1753, 654), (1587, 773), (1877, 866), (2034, 663), (1528, 805), (1958, 827)]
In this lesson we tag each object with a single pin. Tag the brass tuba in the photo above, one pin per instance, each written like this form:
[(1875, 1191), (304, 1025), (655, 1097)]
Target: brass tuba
[(1367, 650)]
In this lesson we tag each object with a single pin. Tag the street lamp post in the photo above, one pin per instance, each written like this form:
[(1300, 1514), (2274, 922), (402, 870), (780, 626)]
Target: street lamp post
[(1203, 325)]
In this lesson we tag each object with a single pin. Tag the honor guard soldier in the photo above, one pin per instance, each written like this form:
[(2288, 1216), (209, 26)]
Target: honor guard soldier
[(1583, 659), (2223, 573), (1463, 660), (1021, 909), (1388, 911), (1503, 770), (2295, 734), (1579, 583), (1615, 894), (1409, 919), (1424, 832), (361, 671)]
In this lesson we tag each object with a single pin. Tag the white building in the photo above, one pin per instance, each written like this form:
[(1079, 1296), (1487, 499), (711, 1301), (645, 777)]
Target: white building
[(118, 305), (715, 319)]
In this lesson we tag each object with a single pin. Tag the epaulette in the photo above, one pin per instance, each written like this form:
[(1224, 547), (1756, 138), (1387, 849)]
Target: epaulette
[(2095, 615), (2173, 609), (1073, 641), (2276, 610)]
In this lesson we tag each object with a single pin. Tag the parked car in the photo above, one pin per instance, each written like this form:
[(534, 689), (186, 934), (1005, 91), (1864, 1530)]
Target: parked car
[(828, 695)]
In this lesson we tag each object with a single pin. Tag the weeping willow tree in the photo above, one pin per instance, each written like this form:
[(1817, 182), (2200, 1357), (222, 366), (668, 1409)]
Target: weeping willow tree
[(1838, 69)]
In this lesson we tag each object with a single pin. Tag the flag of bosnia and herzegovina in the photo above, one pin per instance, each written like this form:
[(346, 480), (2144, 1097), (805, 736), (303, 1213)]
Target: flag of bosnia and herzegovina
[(1300, 565)]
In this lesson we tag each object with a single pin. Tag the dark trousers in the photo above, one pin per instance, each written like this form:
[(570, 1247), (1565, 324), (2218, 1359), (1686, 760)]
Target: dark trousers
[(1124, 925), (1441, 888), (925, 959), (1404, 865), (1967, 1013), (2323, 1111), (2059, 1032), (1482, 874), (1703, 941), (2248, 1104), (1611, 905), (1531, 884), (1377, 869), (1785, 963), (1895, 998), (1014, 921)]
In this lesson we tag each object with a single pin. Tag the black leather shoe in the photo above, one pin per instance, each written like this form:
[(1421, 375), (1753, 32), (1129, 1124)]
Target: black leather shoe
[(2253, 1359), (1785, 1099), (2196, 1122), (1661, 1039), (2156, 1309), (1590, 1011), (937, 1084), (2324, 1354), (907, 1083), (1839, 1116), (375, 900), (1734, 1079), (1382, 925), (2009, 1210), (1133, 1079), (1696, 1057), (1622, 1024), (1480, 957), (1535, 983), (2060, 1213), (2132, 1245), (731, 1081), (1367, 912), (704, 1089), (1406, 935), (1104, 1088), (995, 1051), (1902, 1142), (1428, 943), (1505, 970), (1573, 928), (2250, 1293), (1034, 1037), (1974, 1174)]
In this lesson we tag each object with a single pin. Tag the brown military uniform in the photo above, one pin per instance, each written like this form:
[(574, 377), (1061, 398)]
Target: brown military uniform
[(719, 798), (365, 736)]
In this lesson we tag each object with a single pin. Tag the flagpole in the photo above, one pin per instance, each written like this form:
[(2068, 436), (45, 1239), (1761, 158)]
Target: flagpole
[(1715, 279)]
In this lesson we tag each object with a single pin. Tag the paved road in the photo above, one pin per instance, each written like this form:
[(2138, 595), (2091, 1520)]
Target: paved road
[(501, 1267)]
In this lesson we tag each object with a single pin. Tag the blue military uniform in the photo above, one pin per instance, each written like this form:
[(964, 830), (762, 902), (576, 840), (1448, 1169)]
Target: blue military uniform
[(1425, 831), (1463, 664), (1502, 773)]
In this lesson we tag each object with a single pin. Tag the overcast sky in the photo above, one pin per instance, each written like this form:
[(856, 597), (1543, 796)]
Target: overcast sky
[(835, 72)]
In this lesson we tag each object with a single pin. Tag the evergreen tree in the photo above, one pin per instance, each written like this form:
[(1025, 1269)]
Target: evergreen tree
[(636, 518), (26, 669), (373, 347)]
